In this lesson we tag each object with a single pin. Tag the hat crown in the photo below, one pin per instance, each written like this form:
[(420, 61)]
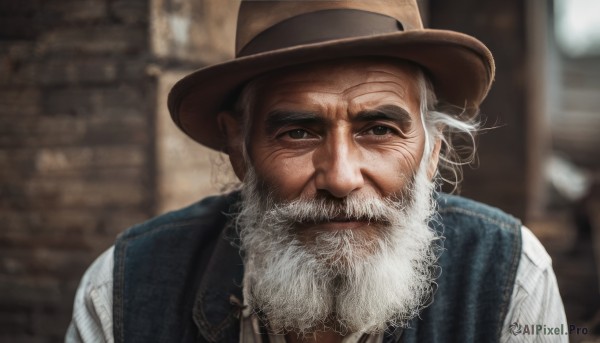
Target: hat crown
[(258, 16)]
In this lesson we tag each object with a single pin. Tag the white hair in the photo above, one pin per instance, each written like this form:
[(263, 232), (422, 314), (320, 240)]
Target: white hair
[(455, 127)]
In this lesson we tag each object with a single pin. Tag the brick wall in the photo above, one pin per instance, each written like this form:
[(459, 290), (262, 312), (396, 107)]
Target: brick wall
[(76, 149), (86, 145)]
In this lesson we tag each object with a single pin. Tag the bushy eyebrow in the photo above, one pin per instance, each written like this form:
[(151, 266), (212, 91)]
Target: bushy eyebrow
[(385, 112), (279, 118)]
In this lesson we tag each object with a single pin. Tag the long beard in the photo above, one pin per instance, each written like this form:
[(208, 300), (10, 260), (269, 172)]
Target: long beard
[(342, 280)]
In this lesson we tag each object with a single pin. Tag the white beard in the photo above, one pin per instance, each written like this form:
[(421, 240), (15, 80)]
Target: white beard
[(344, 280)]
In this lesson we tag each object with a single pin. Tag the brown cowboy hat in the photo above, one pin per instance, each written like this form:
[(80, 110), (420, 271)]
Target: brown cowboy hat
[(275, 34)]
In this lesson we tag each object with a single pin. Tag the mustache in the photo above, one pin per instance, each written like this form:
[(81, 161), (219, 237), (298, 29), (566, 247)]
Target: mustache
[(323, 208)]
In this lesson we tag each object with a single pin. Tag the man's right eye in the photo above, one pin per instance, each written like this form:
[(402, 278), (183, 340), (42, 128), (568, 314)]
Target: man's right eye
[(297, 134)]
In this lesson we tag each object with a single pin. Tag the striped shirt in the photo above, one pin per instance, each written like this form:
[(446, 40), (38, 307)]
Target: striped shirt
[(535, 301)]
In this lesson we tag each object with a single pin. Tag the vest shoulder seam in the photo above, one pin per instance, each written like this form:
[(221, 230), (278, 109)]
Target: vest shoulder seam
[(131, 235), (509, 224)]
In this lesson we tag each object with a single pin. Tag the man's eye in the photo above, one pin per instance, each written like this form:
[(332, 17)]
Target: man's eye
[(297, 134), (380, 130)]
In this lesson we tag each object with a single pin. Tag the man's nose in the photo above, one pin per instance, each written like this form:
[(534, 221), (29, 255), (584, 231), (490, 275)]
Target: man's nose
[(338, 169)]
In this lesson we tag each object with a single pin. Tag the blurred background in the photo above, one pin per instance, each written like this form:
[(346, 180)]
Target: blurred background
[(87, 147)]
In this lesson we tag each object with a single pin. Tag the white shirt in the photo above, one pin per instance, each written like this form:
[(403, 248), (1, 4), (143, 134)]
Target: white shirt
[(535, 298)]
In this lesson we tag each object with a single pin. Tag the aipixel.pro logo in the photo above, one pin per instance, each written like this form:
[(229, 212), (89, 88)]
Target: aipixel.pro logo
[(545, 330)]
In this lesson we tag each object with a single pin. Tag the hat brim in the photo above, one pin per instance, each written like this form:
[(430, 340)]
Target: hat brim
[(459, 66)]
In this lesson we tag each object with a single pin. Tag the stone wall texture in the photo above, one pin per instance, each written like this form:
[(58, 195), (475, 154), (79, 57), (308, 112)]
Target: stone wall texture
[(86, 145), (81, 85)]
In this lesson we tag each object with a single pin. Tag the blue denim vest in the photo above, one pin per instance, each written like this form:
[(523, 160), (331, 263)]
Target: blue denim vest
[(176, 277)]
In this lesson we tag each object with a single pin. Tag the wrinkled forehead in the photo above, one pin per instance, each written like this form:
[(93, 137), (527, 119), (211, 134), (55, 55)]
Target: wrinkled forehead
[(399, 75)]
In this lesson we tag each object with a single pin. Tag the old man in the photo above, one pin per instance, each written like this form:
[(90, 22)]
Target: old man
[(336, 117)]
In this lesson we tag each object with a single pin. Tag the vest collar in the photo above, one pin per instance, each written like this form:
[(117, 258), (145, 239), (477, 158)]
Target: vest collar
[(217, 307)]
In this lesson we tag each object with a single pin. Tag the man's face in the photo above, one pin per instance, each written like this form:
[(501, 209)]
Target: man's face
[(337, 129), (336, 198)]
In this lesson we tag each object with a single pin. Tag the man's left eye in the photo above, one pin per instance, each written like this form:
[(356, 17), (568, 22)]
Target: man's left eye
[(379, 130)]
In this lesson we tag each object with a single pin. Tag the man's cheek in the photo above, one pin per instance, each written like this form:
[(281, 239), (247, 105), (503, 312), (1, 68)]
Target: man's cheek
[(286, 182)]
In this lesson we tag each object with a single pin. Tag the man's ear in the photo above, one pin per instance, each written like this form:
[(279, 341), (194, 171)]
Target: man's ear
[(231, 128), (434, 159)]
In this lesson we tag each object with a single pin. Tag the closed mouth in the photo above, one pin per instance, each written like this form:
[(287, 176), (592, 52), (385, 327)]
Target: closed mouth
[(343, 219), (340, 222)]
